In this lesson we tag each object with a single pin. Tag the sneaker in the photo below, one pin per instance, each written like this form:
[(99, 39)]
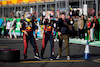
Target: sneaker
[(68, 58), (4, 36), (58, 57), (54, 40), (25, 56), (88, 40), (36, 57), (57, 39), (7, 36), (36, 38), (53, 53), (82, 39), (51, 59)]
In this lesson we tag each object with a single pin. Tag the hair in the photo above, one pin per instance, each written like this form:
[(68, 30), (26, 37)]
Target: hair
[(82, 14), (62, 13), (15, 17), (8, 20)]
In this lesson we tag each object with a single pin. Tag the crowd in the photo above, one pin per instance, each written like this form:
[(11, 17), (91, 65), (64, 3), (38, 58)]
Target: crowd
[(8, 26), (63, 27)]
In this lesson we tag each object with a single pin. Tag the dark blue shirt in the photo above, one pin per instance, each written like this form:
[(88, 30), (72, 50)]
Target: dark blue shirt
[(62, 26)]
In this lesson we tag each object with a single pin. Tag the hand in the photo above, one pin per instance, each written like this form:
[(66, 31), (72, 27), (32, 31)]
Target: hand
[(58, 14), (59, 33), (70, 26), (92, 27), (26, 33)]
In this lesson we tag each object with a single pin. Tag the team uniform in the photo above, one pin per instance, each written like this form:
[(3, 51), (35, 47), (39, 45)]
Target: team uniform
[(29, 26), (48, 35)]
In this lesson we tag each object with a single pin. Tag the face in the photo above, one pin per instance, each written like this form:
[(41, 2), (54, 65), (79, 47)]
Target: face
[(63, 16), (79, 18), (4, 19), (56, 18), (88, 19), (82, 16), (68, 16), (22, 17)]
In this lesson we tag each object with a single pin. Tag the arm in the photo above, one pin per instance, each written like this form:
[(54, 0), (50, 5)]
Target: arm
[(93, 25), (58, 14), (82, 25), (22, 28), (58, 27)]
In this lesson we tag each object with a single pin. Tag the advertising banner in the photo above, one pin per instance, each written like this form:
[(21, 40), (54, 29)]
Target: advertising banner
[(0, 3), (4, 2), (19, 1), (14, 1), (1, 20), (9, 2)]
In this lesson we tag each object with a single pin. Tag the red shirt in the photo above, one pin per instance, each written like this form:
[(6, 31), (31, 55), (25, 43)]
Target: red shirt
[(89, 24)]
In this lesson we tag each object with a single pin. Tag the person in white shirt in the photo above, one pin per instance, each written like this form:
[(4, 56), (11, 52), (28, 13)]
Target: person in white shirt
[(13, 27), (8, 26)]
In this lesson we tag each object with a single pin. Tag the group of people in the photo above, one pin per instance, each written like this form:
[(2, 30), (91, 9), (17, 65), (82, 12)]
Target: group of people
[(60, 25), (64, 28), (9, 26), (92, 28)]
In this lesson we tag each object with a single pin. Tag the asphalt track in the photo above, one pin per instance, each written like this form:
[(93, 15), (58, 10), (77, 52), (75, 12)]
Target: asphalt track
[(76, 54)]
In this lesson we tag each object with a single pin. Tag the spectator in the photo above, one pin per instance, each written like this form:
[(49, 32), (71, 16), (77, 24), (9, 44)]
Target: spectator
[(13, 27), (92, 29), (71, 31), (82, 17), (56, 33), (8, 26), (81, 28), (36, 24), (21, 22), (96, 32), (41, 24), (88, 28), (3, 27)]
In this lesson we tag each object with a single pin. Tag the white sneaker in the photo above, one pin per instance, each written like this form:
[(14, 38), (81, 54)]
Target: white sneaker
[(57, 39), (54, 40), (4, 36), (53, 53), (36, 38), (58, 57), (7, 36), (88, 40), (82, 39), (68, 58), (36, 57), (51, 59)]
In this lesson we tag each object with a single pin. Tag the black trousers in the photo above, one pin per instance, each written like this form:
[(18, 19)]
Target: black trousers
[(4, 31), (81, 33)]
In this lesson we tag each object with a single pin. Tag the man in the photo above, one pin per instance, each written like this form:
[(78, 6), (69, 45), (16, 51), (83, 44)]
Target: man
[(63, 33), (82, 17), (13, 27), (21, 22), (48, 35), (92, 28), (41, 24), (28, 27), (36, 23), (3, 27), (81, 28)]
